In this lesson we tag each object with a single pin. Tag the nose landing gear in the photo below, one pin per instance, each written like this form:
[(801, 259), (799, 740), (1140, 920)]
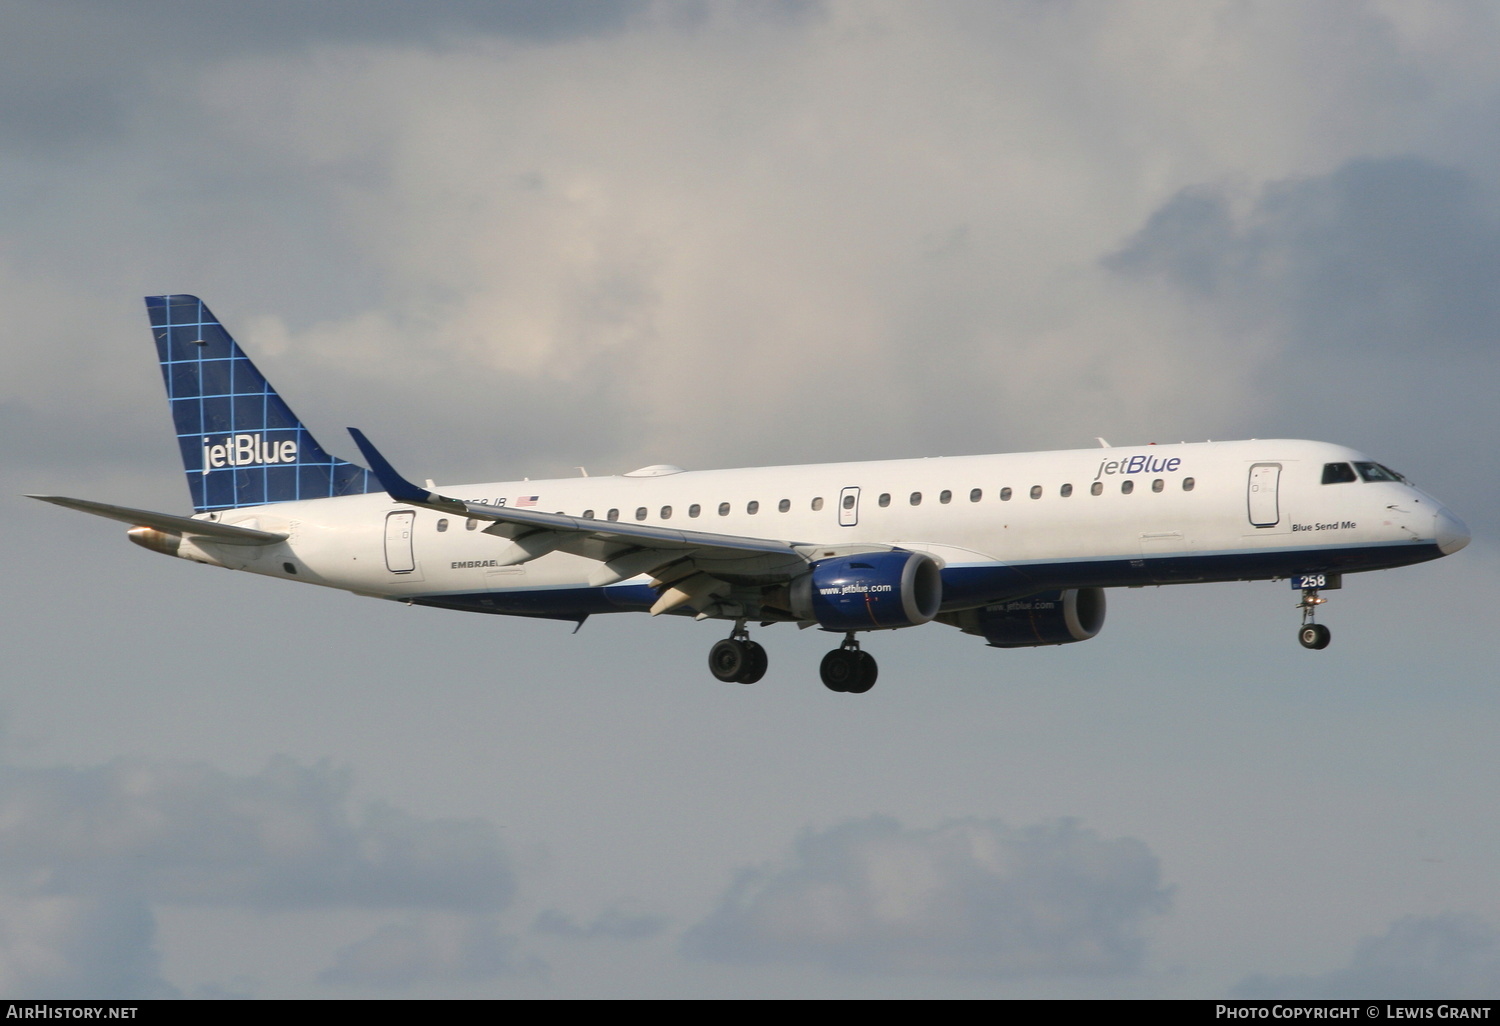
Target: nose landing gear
[(737, 659), (1310, 634), (849, 669)]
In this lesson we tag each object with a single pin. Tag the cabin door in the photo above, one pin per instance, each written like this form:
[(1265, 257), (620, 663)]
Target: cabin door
[(398, 554), (1265, 510)]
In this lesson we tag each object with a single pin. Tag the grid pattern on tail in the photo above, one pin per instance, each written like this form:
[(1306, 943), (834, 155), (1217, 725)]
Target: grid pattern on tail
[(241, 445)]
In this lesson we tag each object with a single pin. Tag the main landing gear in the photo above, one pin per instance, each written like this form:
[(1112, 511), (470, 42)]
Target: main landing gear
[(737, 659), (1310, 634), (849, 669)]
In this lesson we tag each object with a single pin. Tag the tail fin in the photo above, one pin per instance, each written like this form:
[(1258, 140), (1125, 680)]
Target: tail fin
[(241, 444)]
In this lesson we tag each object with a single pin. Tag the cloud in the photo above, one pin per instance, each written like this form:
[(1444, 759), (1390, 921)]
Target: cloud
[(89, 853), (431, 948), (284, 838), (614, 923), (1382, 254), (968, 898), (1452, 956), (69, 945)]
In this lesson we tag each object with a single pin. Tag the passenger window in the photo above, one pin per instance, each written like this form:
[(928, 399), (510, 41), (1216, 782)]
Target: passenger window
[(442, 525), (784, 506), (885, 498), (1036, 491), (1097, 488), (752, 507), (1066, 490), (588, 514), (471, 524), (945, 496), (1158, 485), (613, 514), (817, 503), (1187, 484), (1338, 473), (916, 498), (723, 509), (694, 510), (1126, 487), (849, 501), (1005, 495), (640, 512), (976, 494), (666, 512)]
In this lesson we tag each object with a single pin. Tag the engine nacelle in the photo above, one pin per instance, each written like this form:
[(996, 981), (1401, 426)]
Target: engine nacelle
[(1047, 618), (869, 590)]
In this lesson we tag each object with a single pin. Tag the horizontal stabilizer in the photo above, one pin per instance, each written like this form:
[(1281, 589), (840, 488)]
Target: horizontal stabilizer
[(224, 534)]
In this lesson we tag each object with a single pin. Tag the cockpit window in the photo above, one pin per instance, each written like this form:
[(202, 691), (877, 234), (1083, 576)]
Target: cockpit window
[(1375, 472), (1338, 473)]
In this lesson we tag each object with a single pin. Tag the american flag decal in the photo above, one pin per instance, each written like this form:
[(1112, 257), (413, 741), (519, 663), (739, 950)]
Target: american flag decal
[(526, 500)]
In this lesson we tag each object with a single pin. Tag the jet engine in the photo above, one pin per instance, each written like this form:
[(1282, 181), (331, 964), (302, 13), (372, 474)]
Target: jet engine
[(869, 590), (1046, 618)]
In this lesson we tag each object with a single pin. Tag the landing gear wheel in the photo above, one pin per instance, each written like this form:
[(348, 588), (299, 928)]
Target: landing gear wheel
[(849, 670), (729, 659), (1314, 635), (840, 668), (756, 662), (868, 671)]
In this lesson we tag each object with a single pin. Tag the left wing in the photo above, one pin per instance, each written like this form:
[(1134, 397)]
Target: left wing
[(685, 565)]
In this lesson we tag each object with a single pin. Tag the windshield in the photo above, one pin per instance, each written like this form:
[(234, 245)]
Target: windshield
[(1375, 472)]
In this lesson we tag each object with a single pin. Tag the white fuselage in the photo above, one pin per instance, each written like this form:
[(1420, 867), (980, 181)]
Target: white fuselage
[(998, 525)]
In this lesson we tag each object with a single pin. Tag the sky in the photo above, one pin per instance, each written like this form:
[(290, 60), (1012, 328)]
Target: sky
[(510, 239)]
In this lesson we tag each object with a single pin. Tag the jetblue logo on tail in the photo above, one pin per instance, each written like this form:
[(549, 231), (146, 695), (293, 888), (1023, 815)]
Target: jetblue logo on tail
[(247, 451)]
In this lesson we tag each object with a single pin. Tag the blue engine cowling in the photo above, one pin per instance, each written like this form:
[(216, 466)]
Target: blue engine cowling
[(869, 590), (1046, 618)]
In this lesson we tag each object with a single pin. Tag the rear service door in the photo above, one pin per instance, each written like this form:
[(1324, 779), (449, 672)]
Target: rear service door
[(398, 554)]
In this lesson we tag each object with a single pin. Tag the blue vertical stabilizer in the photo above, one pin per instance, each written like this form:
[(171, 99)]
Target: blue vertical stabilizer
[(241, 444)]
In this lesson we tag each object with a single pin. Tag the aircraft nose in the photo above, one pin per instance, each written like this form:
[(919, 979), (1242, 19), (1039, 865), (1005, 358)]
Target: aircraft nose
[(1451, 533)]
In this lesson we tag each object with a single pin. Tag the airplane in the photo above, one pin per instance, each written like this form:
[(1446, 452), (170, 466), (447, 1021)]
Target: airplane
[(1016, 549)]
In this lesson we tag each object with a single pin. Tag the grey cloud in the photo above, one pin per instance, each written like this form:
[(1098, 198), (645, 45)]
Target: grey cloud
[(431, 948), (1391, 254), (614, 923), (1448, 956), (285, 838), (77, 945), (968, 898), (89, 854), (70, 71)]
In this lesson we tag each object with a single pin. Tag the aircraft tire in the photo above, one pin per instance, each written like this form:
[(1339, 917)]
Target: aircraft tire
[(868, 671), (756, 662), (1314, 636), (728, 660), (849, 671), (839, 667)]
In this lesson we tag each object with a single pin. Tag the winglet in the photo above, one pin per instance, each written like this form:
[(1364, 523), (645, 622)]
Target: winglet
[(397, 486)]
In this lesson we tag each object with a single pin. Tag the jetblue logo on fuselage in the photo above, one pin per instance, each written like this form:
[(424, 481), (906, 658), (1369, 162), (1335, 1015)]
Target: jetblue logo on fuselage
[(246, 451), (1143, 464)]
